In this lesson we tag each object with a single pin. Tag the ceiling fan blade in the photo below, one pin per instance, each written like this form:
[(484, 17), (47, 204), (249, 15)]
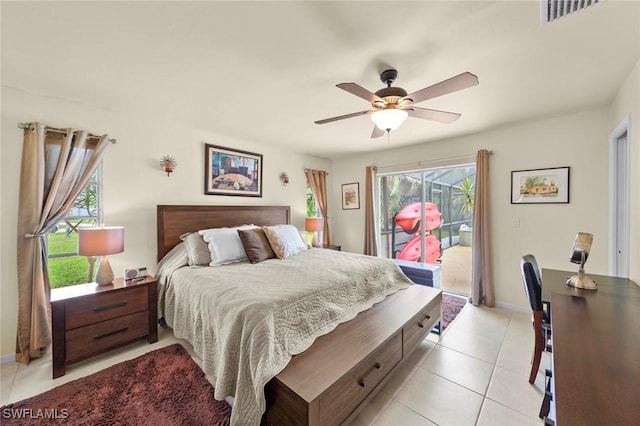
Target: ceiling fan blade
[(433, 114), (377, 132), (459, 82), (360, 91), (342, 117)]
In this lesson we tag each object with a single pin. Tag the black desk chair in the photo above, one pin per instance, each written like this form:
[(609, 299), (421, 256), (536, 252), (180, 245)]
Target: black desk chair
[(541, 319)]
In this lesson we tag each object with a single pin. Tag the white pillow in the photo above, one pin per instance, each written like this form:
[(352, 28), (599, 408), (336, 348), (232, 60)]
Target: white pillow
[(285, 240), (225, 244)]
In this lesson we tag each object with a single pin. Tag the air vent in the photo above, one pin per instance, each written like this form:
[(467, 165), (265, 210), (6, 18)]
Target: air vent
[(552, 10)]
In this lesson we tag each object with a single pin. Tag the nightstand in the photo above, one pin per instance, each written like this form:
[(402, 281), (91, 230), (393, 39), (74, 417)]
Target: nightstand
[(89, 319), (332, 247)]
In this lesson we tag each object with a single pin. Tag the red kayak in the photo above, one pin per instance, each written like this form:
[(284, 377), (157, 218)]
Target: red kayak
[(410, 214), (411, 250)]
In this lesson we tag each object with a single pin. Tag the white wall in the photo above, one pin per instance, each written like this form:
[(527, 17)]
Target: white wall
[(627, 103), (134, 183), (577, 140)]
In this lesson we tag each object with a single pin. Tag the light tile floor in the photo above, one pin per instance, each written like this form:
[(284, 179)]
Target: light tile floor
[(476, 373)]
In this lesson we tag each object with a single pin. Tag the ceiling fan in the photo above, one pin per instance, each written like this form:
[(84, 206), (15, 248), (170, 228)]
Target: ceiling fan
[(391, 106)]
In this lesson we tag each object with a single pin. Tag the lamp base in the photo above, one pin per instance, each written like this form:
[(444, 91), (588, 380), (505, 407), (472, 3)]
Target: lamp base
[(314, 240), (105, 273), (582, 281)]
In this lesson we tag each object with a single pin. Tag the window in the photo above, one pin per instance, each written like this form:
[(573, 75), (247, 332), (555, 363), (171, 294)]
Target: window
[(65, 266)]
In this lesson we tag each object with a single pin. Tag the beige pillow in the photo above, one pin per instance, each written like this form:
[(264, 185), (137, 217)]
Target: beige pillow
[(197, 249), (256, 245), (285, 240)]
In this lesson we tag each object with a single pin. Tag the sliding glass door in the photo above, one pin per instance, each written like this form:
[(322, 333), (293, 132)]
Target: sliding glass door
[(423, 213)]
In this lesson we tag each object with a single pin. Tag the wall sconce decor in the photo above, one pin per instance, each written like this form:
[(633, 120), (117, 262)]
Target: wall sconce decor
[(284, 178), (168, 163)]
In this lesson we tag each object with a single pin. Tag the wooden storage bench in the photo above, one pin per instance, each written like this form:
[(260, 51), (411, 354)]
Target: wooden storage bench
[(330, 381)]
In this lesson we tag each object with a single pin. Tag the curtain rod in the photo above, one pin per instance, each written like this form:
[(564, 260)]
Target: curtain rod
[(29, 126), (307, 170), (431, 161)]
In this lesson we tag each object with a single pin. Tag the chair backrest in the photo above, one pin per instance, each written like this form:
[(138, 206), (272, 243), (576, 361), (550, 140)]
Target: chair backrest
[(532, 281)]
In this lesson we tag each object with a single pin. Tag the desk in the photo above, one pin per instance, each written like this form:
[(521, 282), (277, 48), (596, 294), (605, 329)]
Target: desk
[(596, 345), (609, 288)]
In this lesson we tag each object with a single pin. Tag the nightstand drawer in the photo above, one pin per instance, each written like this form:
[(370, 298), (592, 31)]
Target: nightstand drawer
[(83, 311), (86, 341)]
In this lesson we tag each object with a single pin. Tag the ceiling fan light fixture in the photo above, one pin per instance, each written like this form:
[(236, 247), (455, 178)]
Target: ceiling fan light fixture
[(389, 119)]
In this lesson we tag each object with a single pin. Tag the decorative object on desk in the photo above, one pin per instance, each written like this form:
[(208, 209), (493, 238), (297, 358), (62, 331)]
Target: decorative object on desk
[(314, 224), (350, 196), (540, 186), (181, 394), (284, 178), (579, 255), (232, 172), (168, 163), (101, 242)]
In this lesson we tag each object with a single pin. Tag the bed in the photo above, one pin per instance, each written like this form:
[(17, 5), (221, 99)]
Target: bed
[(308, 344)]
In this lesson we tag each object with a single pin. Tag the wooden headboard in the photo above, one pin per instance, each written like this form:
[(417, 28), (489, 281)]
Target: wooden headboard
[(175, 220)]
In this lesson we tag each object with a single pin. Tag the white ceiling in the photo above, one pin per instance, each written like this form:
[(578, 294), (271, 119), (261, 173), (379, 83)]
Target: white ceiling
[(265, 71)]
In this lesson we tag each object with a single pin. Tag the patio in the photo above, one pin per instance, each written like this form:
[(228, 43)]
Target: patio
[(455, 269)]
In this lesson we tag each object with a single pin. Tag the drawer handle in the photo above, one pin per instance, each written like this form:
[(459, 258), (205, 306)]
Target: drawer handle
[(106, 308), (421, 325), (102, 336), (363, 381)]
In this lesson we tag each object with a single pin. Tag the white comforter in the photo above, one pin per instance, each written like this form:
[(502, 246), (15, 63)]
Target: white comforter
[(246, 321)]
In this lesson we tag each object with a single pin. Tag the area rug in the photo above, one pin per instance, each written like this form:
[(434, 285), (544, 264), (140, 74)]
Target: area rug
[(162, 387), (451, 307)]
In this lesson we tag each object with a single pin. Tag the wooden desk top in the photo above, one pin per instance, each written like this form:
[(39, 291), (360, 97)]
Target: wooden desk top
[(596, 360), (623, 289)]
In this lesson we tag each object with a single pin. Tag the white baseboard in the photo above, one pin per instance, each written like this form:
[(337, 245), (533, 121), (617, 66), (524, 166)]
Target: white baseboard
[(4, 359)]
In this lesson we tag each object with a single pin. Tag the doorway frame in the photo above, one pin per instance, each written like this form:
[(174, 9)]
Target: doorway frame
[(624, 126)]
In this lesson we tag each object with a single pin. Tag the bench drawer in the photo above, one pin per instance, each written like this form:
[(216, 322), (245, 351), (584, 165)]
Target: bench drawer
[(335, 405), (420, 325)]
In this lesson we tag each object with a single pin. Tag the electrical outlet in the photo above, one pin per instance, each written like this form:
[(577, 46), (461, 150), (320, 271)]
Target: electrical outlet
[(515, 223)]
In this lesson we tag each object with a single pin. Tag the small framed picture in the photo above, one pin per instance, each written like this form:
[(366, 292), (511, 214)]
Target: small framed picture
[(350, 196), (230, 171), (540, 186)]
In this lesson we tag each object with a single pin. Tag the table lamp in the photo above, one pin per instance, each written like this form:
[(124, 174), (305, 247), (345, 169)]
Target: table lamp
[(314, 224), (101, 242), (579, 255)]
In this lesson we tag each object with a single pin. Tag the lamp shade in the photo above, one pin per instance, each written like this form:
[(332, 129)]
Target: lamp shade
[(100, 241), (313, 224), (389, 119)]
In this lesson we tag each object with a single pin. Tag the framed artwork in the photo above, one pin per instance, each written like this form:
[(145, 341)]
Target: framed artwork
[(350, 196), (540, 186), (230, 171)]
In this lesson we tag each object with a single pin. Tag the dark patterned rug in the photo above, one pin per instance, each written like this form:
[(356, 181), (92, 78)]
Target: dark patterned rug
[(451, 307), (162, 387)]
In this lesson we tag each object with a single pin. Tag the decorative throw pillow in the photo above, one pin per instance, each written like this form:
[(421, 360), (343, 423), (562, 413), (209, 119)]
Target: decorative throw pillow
[(197, 249), (285, 240), (225, 244), (256, 245)]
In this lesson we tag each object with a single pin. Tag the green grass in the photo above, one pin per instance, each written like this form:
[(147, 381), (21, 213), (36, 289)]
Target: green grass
[(66, 271)]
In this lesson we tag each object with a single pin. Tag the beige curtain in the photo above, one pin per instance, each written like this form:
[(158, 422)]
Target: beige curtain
[(481, 285), (317, 180), (370, 237), (56, 167)]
